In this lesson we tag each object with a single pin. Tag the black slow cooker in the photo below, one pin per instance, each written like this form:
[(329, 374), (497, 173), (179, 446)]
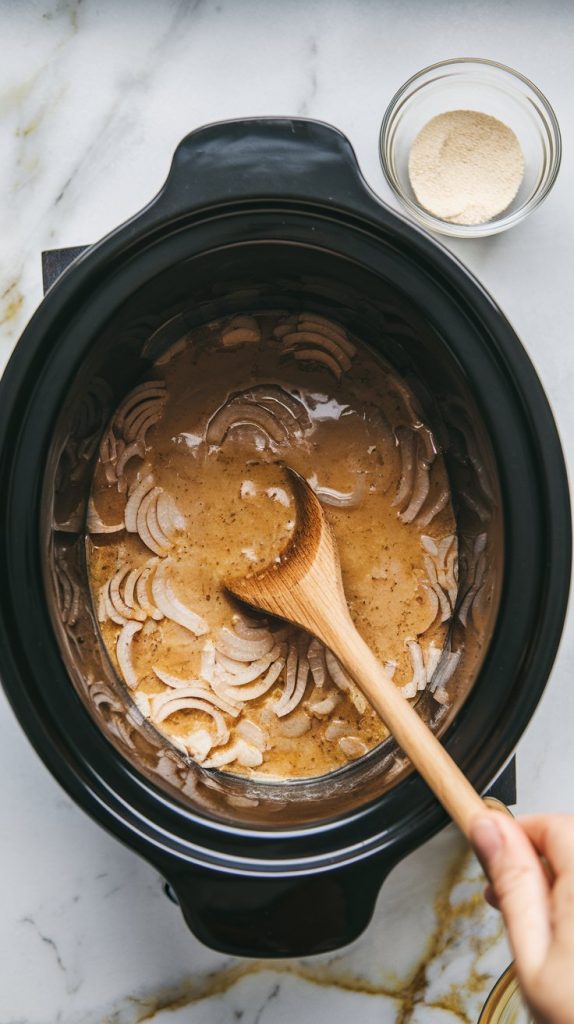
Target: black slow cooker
[(272, 214)]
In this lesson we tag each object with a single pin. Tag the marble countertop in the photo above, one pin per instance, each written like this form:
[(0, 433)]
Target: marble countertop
[(94, 97)]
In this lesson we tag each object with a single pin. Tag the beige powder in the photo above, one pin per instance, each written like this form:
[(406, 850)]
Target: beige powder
[(465, 167)]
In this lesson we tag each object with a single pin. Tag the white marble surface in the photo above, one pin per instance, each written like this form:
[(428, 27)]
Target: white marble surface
[(94, 96)]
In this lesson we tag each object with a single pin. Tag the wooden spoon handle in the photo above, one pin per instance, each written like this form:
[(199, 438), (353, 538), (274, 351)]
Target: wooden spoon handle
[(423, 748)]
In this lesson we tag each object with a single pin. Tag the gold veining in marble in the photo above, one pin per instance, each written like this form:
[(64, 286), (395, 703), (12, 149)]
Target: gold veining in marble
[(462, 919), (11, 302)]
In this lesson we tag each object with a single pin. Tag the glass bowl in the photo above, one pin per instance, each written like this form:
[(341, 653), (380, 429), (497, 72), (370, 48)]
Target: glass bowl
[(504, 1004), (473, 84)]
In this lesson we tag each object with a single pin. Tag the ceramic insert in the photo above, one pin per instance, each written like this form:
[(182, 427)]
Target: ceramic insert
[(188, 490)]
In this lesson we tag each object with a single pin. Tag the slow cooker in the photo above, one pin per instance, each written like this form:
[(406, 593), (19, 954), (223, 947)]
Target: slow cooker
[(272, 214)]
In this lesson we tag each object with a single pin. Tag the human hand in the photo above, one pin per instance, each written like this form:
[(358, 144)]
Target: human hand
[(536, 901)]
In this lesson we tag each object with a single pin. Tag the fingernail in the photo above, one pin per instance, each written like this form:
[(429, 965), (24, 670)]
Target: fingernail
[(486, 837)]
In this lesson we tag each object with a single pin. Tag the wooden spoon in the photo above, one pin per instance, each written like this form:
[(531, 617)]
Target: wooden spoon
[(305, 587)]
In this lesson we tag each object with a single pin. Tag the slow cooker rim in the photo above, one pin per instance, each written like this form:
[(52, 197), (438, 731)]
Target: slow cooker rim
[(36, 330)]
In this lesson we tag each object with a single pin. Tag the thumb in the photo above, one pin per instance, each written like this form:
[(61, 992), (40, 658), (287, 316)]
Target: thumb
[(520, 886)]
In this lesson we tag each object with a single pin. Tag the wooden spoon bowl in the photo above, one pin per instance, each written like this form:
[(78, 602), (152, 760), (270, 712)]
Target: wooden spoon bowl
[(305, 587)]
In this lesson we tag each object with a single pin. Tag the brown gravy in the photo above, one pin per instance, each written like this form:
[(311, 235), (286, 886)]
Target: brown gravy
[(190, 466)]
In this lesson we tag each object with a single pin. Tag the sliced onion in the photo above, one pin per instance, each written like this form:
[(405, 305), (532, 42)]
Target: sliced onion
[(444, 547), (445, 608), (167, 767), (110, 473), (338, 499), (239, 336), (296, 725), (321, 325), (413, 416), (290, 676), (446, 669), (344, 682), (139, 416), (281, 402), (144, 426), (124, 654), (233, 646), (441, 696), (251, 733), (230, 694), (178, 684), (118, 726), (155, 528), (437, 506), (451, 574), (74, 611), (240, 751), (316, 657), (149, 391), (207, 664), (352, 746), (108, 447), (136, 496), (432, 657), (256, 690), (337, 728), (240, 330), (244, 414), (121, 606), (318, 355), (326, 704), (65, 592), (174, 609), (391, 668), (131, 451), (285, 707), (142, 419), (432, 598), (177, 702), (248, 756), (102, 696), (141, 592), (268, 407), (419, 677), (102, 612), (198, 744), (107, 609), (146, 527), (235, 673), (311, 339), (192, 688), (419, 494), (297, 675), (96, 525), (130, 586), (286, 325), (169, 517), (173, 350), (141, 701)]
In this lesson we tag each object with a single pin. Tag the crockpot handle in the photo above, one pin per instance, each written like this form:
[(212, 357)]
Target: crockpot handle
[(257, 916), (261, 158)]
